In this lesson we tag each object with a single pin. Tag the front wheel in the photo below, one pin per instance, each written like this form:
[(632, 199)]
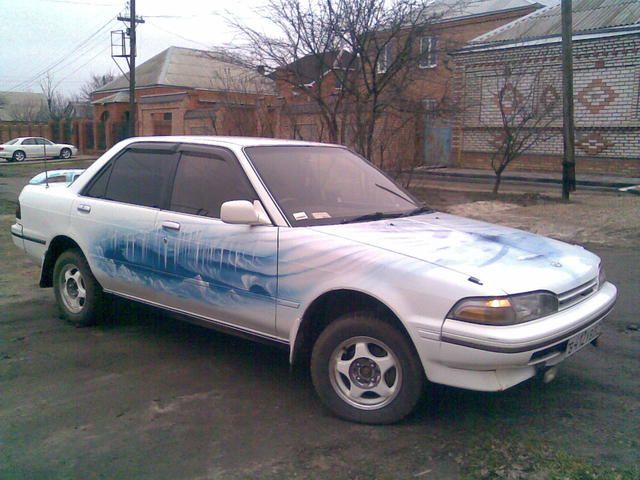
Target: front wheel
[(78, 294), (365, 370), (65, 153)]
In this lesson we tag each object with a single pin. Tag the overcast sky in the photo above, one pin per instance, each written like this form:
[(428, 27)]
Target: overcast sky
[(72, 37)]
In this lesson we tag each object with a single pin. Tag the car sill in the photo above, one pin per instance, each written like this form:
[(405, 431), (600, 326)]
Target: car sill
[(210, 323)]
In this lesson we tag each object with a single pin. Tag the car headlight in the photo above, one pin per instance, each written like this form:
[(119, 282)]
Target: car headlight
[(602, 277), (508, 310)]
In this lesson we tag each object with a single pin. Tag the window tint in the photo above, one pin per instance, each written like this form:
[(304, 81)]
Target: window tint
[(205, 181), (29, 141), (141, 177), (98, 186)]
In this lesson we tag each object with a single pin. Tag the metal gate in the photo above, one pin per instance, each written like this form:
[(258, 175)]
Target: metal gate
[(437, 146)]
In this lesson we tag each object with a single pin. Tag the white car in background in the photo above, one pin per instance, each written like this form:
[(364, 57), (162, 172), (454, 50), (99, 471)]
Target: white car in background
[(65, 177), (22, 148)]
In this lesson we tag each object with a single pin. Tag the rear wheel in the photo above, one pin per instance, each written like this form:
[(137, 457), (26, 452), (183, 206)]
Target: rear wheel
[(19, 156), (78, 294), (365, 370)]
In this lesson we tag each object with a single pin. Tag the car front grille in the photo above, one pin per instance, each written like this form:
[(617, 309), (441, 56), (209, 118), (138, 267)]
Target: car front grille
[(578, 294)]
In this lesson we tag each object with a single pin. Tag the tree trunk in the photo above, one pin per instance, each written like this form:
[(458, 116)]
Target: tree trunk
[(496, 185)]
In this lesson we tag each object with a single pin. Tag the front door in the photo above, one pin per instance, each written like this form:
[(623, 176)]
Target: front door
[(32, 149), (220, 272)]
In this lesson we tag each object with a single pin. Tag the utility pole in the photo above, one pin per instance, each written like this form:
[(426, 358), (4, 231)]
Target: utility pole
[(131, 60), (568, 128)]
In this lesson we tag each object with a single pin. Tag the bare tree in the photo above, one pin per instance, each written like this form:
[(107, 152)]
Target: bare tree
[(94, 83), (31, 110), (527, 106), (353, 58), (56, 103), (244, 101)]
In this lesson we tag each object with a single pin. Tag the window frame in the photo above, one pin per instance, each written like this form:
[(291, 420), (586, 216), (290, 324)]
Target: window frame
[(430, 58), (145, 146), (209, 150), (385, 56)]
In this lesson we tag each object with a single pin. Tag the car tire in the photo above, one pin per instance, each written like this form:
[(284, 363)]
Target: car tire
[(78, 294), (366, 370), (65, 153), (18, 156)]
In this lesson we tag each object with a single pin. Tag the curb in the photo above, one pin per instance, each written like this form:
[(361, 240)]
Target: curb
[(518, 178)]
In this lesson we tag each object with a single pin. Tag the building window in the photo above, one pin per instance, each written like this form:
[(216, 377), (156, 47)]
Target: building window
[(385, 57), (167, 117), (428, 52)]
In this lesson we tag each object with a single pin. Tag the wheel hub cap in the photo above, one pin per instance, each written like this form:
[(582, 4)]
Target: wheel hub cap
[(364, 372), (72, 289)]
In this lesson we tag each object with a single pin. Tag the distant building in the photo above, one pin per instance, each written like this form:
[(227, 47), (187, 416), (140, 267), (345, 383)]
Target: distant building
[(183, 91), (23, 107), (606, 53), (23, 114)]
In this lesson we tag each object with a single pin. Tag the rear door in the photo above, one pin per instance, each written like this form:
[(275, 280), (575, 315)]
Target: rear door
[(224, 273), (115, 218)]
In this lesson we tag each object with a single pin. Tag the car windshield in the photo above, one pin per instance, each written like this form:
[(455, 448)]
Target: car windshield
[(319, 185), (12, 141)]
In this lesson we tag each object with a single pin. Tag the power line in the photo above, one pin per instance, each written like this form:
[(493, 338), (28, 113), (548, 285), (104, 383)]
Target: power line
[(104, 50), (153, 24), (76, 2), (62, 59)]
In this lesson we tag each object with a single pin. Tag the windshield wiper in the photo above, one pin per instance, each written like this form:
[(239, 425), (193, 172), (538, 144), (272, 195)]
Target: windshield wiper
[(371, 217), (418, 211), (387, 189)]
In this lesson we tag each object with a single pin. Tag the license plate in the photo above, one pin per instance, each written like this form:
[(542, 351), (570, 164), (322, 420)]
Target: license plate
[(583, 338)]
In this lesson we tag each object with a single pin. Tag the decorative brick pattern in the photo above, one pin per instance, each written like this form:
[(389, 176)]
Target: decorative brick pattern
[(607, 102), (597, 95), (593, 143)]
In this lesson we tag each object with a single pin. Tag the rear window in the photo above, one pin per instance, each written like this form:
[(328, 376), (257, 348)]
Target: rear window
[(137, 176)]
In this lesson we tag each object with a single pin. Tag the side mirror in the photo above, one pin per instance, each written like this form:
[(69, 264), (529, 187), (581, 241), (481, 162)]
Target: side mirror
[(243, 212)]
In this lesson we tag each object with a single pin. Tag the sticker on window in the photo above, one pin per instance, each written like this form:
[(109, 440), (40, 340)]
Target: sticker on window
[(300, 216), (318, 215)]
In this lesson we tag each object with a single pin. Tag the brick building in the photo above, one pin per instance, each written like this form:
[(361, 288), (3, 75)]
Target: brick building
[(606, 87), (423, 133), (183, 91)]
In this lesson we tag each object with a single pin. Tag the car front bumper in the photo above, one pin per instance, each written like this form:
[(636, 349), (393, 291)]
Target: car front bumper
[(492, 358)]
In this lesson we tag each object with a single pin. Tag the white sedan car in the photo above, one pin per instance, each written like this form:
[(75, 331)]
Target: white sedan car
[(309, 247), (22, 148)]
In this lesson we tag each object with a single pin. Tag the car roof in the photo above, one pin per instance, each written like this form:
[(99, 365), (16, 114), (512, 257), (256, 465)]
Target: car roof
[(237, 141)]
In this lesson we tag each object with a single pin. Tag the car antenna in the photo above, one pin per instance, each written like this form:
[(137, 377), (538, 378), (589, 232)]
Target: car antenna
[(46, 166)]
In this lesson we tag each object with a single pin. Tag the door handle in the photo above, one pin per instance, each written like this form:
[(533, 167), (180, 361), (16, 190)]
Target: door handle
[(171, 225), (84, 208)]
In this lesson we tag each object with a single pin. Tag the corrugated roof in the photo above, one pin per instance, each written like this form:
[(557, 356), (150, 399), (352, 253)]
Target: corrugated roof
[(186, 67), (589, 16), (449, 10)]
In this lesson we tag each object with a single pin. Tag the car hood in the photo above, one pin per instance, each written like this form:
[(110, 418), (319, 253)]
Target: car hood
[(510, 259)]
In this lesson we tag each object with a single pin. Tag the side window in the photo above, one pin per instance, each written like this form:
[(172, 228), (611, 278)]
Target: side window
[(141, 177), (29, 141), (98, 186), (204, 182)]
